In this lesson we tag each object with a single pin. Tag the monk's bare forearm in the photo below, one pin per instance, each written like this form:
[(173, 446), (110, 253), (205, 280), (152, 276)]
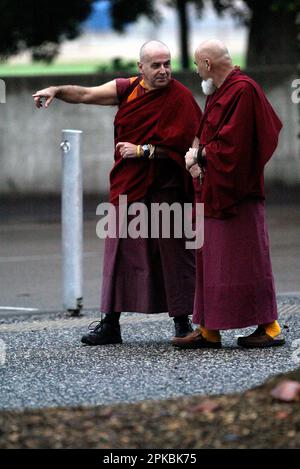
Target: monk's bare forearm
[(71, 93), (105, 94)]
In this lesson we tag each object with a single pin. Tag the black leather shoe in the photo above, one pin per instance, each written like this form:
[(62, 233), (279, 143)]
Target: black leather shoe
[(182, 325), (103, 334)]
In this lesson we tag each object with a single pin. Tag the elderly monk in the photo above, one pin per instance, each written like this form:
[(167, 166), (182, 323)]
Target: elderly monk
[(238, 135), (155, 125)]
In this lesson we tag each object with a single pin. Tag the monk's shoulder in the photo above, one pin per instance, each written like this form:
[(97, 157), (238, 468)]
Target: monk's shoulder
[(246, 86), (180, 88)]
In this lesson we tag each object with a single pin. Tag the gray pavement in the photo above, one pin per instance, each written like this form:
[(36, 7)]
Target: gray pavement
[(43, 364)]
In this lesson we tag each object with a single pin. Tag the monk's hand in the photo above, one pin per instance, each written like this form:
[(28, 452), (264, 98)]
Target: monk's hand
[(195, 171), (47, 94), (127, 150), (191, 158)]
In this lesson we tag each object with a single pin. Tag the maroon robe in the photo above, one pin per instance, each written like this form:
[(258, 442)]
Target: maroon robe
[(152, 275), (239, 130), (168, 117), (234, 280)]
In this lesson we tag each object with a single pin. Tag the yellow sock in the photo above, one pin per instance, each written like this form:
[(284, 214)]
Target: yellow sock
[(210, 335), (272, 329)]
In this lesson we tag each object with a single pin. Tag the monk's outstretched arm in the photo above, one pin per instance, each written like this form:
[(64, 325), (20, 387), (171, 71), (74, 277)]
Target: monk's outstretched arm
[(102, 95)]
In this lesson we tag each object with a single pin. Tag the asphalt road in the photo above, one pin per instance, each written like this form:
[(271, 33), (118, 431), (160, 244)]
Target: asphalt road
[(30, 259)]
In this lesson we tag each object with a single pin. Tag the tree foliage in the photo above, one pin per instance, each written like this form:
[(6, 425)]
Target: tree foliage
[(272, 25), (39, 25), (125, 12)]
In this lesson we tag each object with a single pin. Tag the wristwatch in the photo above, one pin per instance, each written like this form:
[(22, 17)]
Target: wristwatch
[(201, 160), (146, 151)]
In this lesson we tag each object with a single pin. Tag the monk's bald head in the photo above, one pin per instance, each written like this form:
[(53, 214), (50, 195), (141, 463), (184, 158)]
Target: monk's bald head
[(151, 49), (214, 50), (213, 61), (155, 64)]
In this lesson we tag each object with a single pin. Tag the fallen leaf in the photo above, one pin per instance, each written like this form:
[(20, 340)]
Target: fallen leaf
[(287, 391), (208, 405), (282, 415)]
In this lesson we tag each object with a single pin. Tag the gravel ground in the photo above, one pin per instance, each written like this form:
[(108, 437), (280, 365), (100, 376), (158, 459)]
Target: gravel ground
[(236, 421), (44, 365)]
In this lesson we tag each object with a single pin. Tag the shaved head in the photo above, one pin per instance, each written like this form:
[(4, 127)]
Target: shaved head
[(213, 63), (151, 48), (214, 50), (155, 64)]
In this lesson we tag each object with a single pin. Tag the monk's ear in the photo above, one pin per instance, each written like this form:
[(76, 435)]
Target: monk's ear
[(140, 67)]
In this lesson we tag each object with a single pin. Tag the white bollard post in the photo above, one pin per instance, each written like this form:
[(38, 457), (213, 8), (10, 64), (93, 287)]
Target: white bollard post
[(72, 221)]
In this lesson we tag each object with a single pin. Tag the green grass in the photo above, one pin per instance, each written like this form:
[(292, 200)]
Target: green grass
[(81, 68), (44, 69)]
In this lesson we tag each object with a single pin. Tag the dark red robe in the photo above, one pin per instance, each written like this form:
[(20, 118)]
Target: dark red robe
[(239, 129), (152, 275), (234, 279), (168, 117)]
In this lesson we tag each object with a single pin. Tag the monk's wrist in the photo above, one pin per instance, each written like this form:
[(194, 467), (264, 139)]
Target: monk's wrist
[(145, 151)]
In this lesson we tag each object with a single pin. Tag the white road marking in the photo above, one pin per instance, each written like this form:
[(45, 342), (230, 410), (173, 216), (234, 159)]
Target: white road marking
[(16, 308)]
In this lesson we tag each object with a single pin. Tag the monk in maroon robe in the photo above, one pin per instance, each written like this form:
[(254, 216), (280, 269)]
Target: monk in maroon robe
[(154, 127), (238, 135)]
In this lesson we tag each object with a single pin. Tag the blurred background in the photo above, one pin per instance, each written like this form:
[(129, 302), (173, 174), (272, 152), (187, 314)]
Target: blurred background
[(89, 42)]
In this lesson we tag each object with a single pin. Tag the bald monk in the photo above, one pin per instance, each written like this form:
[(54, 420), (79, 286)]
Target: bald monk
[(237, 136), (155, 125)]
